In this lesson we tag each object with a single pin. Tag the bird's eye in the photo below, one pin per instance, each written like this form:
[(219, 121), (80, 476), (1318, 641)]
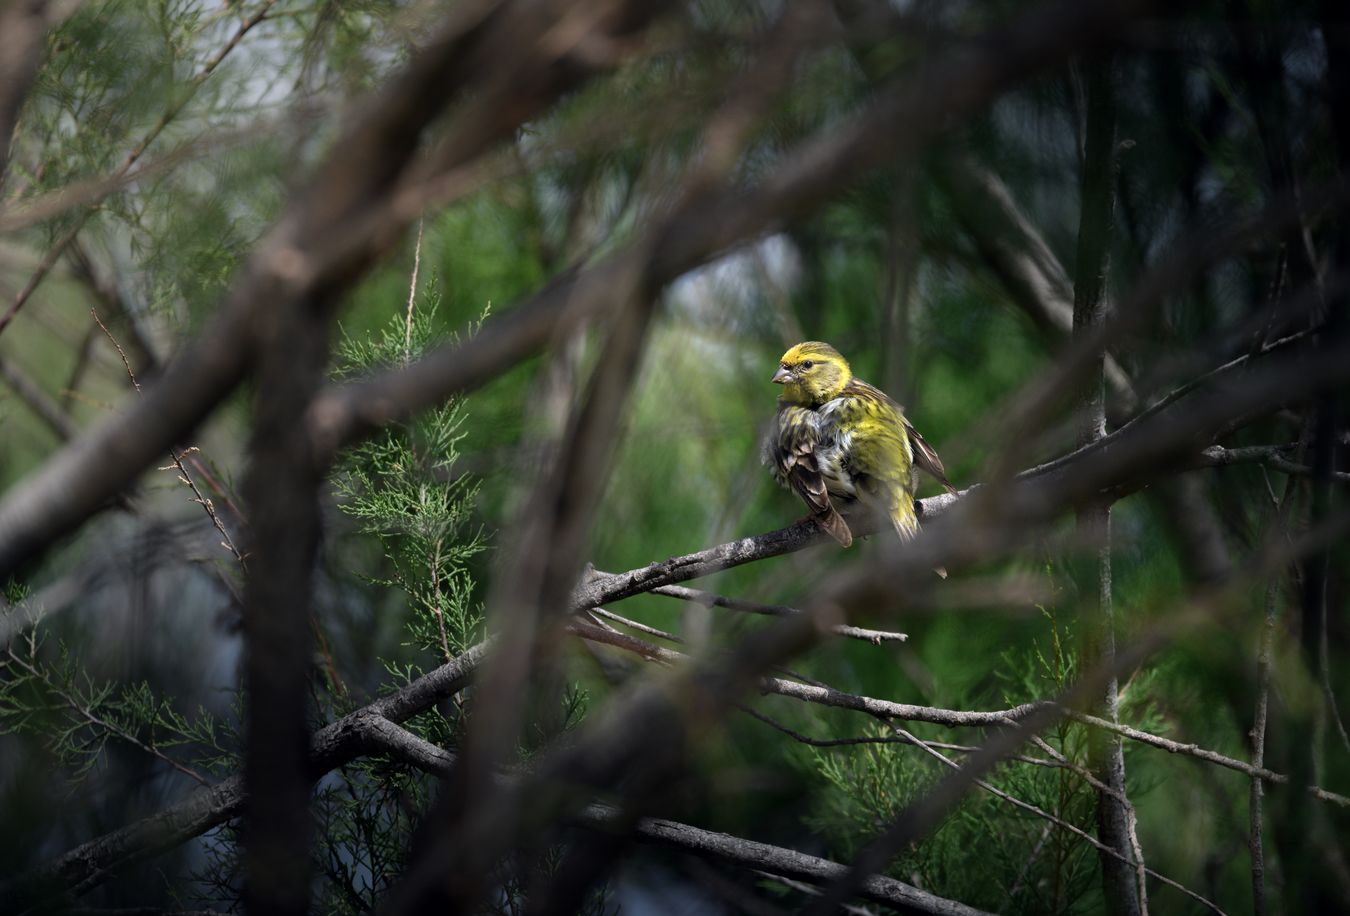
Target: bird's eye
[(807, 364)]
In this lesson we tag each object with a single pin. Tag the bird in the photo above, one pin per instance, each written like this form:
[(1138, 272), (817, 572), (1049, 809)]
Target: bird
[(837, 441)]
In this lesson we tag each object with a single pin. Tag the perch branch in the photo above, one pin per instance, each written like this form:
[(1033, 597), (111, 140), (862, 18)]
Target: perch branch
[(773, 610)]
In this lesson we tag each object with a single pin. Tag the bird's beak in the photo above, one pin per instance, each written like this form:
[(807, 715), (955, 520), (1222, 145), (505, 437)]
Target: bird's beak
[(782, 376)]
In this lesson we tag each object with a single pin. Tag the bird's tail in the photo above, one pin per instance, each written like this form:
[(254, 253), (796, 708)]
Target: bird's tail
[(907, 527), (835, 526), (905, 521)]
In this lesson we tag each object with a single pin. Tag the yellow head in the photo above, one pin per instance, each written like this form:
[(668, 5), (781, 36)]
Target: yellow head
[(812, 373)]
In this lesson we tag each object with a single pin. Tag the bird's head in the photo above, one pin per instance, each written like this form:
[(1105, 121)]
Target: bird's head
[(812, 373)]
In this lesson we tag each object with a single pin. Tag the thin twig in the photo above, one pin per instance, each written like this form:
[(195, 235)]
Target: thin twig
[(883, 739), (198, 497), (635, 625), (803, 887), (1059, 822), (90, 717), (956, 718), (412, 294), (1256, 841), (710, 599), (595, 613)]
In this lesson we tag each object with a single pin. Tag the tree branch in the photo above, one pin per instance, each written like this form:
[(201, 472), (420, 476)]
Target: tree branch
[(408, 748), (37, 400), (889, 710), (710, 599), (23, 35), (599, 588)]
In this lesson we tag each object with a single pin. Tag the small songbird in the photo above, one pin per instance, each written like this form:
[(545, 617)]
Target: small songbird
[(838, 441)]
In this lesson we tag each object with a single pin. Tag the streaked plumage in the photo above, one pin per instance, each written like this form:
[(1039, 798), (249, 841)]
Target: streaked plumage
[(837, 440)]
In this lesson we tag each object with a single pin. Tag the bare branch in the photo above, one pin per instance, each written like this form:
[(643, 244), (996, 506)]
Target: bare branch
[(1061, 823), (37, 400), (773, 610), (1273, 456), (1019, 256), (889, 710)]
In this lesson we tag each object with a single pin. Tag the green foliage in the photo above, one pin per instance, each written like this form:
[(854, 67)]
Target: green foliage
[(370, 810), (401, 487), (1026, 863), (49, 694)]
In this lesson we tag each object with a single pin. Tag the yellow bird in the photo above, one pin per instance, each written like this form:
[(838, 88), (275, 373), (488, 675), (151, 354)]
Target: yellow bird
[(838, 440)]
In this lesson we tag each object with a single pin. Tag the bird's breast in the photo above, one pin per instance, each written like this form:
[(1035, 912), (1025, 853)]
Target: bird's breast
[(833, 448)]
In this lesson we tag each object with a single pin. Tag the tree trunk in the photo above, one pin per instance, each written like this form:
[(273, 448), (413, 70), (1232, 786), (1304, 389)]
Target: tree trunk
[(1121, 883)]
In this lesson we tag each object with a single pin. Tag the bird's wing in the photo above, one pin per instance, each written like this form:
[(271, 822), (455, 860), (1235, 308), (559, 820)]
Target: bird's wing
[(808, 483), (924, 455), (876, 430), (926, 458), (878, 453), (791, 453)]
